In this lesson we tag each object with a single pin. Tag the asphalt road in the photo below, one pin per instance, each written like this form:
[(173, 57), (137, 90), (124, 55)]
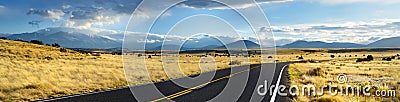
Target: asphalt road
[(227, 85)]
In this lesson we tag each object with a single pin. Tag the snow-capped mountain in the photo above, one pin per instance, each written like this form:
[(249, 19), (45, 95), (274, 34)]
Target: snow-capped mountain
[(72, 37)]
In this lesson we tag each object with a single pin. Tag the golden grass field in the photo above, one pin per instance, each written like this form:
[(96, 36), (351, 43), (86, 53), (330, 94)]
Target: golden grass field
[(383, 74), (30, 72)]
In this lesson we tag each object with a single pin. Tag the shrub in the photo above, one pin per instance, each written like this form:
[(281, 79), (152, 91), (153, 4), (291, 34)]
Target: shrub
[(362, 59), (116, 53), (63, 50), (37, 42), (48, 58), (332, 56), (387, 59), (301, 57), (149, 56), (139, 55), (370, 57), (55, 45), (20, 40), (316, 72), (4, 38), (235, 62)]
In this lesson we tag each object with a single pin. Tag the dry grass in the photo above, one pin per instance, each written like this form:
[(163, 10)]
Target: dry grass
[(29, 72), (177, 66), (377, 72)]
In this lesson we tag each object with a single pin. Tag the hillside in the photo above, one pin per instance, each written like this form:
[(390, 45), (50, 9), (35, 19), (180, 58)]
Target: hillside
[(320, 44), (241, 44), (30, 72), (68, 39), (387, 42)]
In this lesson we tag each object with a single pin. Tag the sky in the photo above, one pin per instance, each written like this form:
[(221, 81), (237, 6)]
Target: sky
[(356, 21)]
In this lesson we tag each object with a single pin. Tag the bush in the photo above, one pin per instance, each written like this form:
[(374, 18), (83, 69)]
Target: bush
[(387, 59), (4, 38), (20, 40), (332, 56), (370, 57), (316, 72), (301, 57), (63, 50), (55, 45), (362, 59), (36, 42), (235, 62), (48, 58)]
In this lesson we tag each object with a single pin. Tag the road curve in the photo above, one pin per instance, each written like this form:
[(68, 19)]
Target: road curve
[(234, 84)]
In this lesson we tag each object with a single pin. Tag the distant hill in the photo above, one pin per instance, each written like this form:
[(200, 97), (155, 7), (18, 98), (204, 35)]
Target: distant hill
[(320, 44), (69, 39), (210, 46), (241, 44), (168, 47), (4, 35), (387, 42)]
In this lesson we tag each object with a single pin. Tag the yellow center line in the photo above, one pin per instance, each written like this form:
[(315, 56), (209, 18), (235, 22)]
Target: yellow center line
[(172, 96)]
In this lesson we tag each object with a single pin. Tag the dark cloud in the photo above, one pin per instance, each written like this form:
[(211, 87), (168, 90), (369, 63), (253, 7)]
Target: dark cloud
[(34, 23), (78, 13), (86, 12), (54, 14), (323, 27), (238, 4)]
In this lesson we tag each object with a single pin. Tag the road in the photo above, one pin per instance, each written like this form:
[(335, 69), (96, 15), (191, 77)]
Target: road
[(234, 84)]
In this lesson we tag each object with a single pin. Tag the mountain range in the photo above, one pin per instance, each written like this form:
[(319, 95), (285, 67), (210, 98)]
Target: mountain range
[(84, 38), (68, 37), (386, 42)]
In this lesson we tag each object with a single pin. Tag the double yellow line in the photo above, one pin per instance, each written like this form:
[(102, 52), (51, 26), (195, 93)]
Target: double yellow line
[(180, 93)]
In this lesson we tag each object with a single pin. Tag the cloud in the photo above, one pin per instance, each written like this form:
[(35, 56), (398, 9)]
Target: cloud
[(357, 1), (53, 14), (85, 17), (2, 7), (66, 6), (356, 32), (86, 14), (209, 4)]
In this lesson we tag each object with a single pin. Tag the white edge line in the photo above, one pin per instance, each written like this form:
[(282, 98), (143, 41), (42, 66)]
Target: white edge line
[(276, 85)]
